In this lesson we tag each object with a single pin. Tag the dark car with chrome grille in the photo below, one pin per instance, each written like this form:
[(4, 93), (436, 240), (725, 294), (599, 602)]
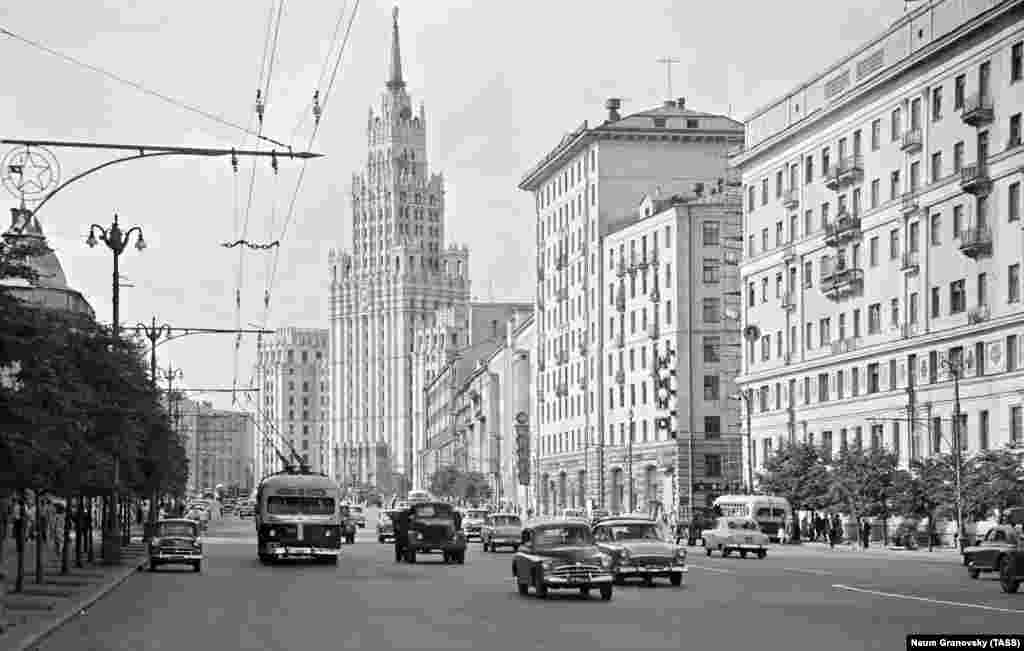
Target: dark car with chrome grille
[(175, 542), (561, 555), (640, 549), (429, 528)]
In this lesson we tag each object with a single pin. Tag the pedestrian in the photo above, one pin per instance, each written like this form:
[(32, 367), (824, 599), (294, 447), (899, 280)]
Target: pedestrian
[(865, 533), (834, 531)]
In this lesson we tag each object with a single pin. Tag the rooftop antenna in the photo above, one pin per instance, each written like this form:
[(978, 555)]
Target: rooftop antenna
[(668, 61)]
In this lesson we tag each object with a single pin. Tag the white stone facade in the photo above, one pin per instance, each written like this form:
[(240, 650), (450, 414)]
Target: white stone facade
[(585, 189), (884, 239), (292, 401)]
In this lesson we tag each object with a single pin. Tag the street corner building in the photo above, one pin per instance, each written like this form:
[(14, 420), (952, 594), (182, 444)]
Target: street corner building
[(398, 278), (638, 229), (291, 410), (219, 444), (883, 242)]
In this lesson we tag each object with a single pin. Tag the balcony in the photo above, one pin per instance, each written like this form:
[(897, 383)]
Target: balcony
[(908, 330), (977, 110), (842, 230), (562, 295), (912, 141), (845, 345), (910, 263), (978, 314), (841, 281), (620, 377), (791, 198), (787, 301), (653, 330), (974, 179), (909, 204), (976, 242), (641, 262), (789, 253), (847, 171)]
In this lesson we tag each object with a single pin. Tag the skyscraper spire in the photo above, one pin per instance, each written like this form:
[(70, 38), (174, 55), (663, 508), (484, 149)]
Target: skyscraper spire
[(395, 80)]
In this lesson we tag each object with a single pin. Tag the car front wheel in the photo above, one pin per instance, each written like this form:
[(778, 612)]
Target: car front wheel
[(606, 593), (539, 587), (1008, 576), (676, 579), (973, 573)]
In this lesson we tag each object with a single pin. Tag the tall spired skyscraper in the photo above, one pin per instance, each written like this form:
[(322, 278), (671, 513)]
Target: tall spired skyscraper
[(396, 276)]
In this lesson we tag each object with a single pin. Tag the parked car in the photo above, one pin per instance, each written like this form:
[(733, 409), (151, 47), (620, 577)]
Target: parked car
[(991, 551), (429, 527), (501, 530), (640, 549), (736, 535), (176, 541), (561, 555), (472, 522), (386, 525)]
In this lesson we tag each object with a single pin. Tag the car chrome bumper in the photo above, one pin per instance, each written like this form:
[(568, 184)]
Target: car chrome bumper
[(304, 551), (568, 582), (664, 570), (746, 547), (504, 541), (183, 558)]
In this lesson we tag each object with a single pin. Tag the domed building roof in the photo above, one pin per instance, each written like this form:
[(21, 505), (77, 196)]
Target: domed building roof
[(50, 289)]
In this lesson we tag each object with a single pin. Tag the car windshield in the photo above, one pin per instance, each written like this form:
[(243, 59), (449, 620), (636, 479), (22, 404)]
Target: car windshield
[(638, 531), (175, 529), (476, 514), (748, 525), (561, 537), (507, 521), (277, 505), (424, 511)]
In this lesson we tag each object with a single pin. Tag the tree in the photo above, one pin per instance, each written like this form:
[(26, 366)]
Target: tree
[(863, 483), (451, 482), (993, 481), (798, 473), (925, 491)]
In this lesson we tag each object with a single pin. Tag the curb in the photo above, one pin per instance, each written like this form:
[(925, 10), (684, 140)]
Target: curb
[(78, 608)]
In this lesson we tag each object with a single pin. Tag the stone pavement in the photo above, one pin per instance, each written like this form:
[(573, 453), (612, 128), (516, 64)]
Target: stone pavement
[(29, 616)]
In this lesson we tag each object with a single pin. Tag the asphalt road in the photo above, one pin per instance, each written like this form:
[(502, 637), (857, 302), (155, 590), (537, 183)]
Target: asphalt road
[(793, 599)]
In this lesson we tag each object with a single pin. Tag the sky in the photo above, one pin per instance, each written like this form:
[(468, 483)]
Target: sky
[(502, 82)]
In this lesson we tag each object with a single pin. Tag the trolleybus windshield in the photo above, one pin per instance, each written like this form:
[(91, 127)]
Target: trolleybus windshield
[(277, 505)]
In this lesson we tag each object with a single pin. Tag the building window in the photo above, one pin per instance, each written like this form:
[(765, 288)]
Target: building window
[(958, 156), (935, 302), (710, 275), (1016, 63), (712, 427), (874, 319), (712, 465), (764, 192), (710, 310), (957, 297), (711, 386), (894, 185), (936, 229), (1014, 139), (711, 233), (873, 378), (876, 135), (808, 270), (711, 350), (895, 125), (937, 103), (822, 387), (959, 85), (1013, 197), (1016, 433), (1013, 283)]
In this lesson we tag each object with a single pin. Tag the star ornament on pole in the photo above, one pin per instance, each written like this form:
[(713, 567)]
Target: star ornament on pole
[(29, 173)]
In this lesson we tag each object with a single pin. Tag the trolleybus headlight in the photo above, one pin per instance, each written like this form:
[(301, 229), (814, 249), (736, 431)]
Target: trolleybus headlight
[(272, 533)]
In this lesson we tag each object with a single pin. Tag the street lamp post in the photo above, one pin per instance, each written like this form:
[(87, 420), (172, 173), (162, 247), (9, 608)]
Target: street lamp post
[(747, 398), (955, 368), (153, 333), (629, 462), (117, 241)]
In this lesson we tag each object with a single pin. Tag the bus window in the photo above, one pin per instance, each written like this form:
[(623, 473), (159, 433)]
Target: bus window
[(766, 512), (277, 505)]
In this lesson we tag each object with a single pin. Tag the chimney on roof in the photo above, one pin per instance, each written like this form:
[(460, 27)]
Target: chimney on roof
[(681, 103), (613, 104)]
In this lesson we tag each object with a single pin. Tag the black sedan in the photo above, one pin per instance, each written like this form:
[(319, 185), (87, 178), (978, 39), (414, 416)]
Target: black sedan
[(561, 555)]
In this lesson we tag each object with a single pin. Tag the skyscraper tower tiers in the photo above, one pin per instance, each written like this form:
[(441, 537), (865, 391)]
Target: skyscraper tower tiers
[(396, 276)]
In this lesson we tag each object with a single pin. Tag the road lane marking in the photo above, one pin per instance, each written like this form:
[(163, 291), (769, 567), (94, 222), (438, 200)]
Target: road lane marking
[(942, 602), (806, 571), (713, 569)]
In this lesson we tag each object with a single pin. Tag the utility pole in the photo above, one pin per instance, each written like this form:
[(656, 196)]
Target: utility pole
[(629, 461), (955, 368)]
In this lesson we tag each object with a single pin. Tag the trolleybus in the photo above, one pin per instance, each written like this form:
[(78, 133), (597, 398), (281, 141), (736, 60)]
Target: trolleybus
[(298, 516)]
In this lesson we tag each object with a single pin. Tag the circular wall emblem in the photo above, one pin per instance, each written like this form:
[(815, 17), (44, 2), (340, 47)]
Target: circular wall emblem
[(30, 173)]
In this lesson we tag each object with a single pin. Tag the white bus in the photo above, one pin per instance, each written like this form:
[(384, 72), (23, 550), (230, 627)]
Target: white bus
[(768, 511)]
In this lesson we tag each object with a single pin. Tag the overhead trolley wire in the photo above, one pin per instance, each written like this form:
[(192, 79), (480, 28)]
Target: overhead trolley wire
[(143, 89)]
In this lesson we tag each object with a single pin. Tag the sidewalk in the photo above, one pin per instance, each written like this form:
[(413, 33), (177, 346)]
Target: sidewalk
[(876, 550), (29, 616)]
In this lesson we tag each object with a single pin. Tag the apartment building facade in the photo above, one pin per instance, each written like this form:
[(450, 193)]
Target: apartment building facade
[(882, 204), (584, 189)]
